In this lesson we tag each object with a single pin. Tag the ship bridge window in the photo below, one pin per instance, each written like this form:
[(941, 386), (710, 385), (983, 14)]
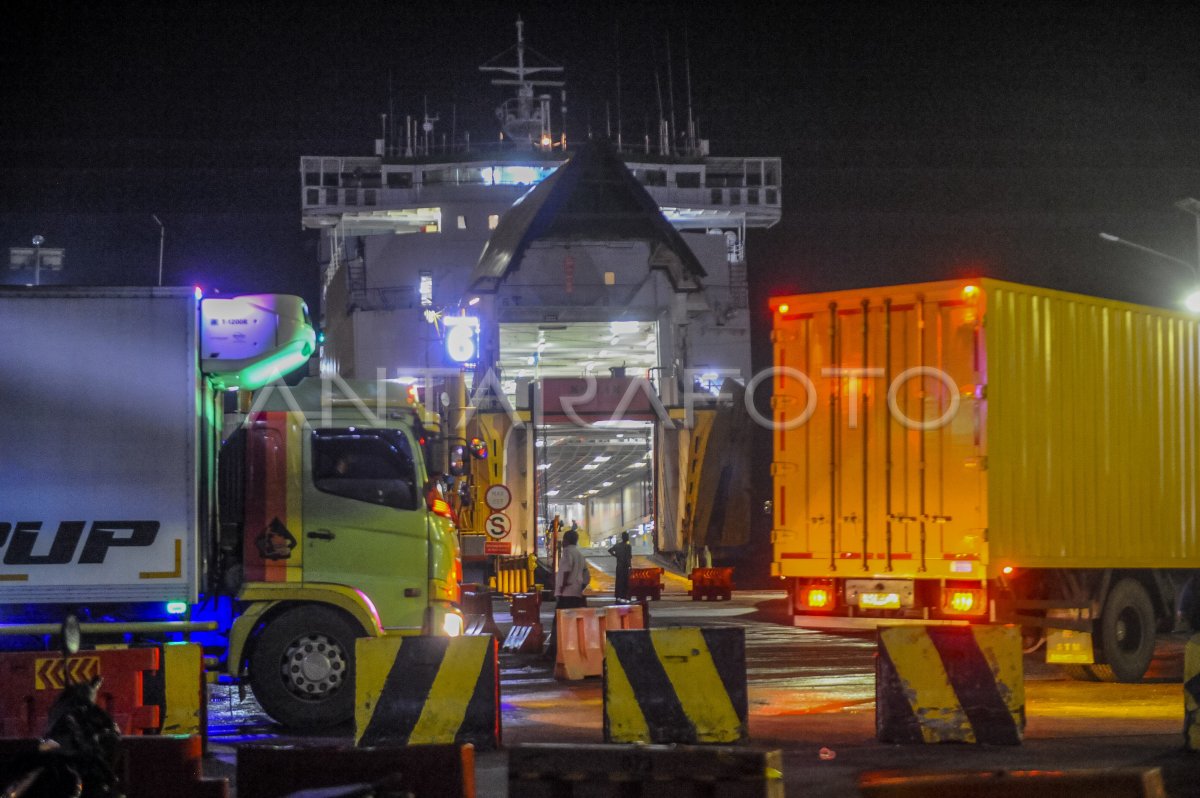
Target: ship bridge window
[(723, 179), (514, 175), (687, 179), (358, 177), (399, 179), (651, 177), (435, 176)]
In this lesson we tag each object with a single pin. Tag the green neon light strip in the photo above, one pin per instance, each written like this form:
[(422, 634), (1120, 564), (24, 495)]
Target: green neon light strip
[(285, 361)]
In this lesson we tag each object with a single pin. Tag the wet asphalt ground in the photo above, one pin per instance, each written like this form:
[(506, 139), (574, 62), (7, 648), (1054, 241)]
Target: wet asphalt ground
[(811, 695)]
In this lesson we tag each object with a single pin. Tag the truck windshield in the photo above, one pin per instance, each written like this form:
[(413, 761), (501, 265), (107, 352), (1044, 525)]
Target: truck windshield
[(374, 466)]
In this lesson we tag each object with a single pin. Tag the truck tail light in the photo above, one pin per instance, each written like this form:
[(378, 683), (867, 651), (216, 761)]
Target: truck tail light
[(818, 596), (958, 600)]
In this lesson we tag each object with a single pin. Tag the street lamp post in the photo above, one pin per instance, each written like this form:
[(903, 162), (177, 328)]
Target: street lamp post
[(37, 257), (162, 235), (1192, 206)]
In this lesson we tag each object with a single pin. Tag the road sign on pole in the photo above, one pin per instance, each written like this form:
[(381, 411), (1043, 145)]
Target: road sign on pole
[(498, 497), (497, 526)]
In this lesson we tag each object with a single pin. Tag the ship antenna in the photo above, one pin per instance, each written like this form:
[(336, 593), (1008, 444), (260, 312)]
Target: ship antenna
[(617, 47), (661, 122), (670, 98), (687, 66)]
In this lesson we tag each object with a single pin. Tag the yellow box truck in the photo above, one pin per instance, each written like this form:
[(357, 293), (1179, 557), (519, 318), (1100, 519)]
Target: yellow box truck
[(982, 451)]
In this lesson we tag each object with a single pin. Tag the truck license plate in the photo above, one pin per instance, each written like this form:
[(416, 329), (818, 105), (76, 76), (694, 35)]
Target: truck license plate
[(879, 601)]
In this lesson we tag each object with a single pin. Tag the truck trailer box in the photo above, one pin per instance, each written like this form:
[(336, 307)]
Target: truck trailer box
[(962, 430), (100, 445)]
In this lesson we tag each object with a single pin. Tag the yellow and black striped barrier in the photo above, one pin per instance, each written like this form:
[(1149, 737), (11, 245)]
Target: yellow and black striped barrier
[(936, 684), (684, 685), (425, 690), (1191, 694), (186, 690)]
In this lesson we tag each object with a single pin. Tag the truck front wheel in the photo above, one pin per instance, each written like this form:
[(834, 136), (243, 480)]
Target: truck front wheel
[(302, 668), (1126, 633)]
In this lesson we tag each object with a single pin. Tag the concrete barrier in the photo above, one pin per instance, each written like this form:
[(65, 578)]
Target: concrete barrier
[(1107, 783), (937, 684), (682, 685), (428, 771), (1191, 694), (555, 770), (427, 690), (153, 766), (180, 689), (477, 614), (526, 633)]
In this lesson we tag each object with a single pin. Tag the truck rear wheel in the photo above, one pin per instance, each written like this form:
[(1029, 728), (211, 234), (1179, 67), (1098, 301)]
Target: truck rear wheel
[(1126, 633), (302, 668)]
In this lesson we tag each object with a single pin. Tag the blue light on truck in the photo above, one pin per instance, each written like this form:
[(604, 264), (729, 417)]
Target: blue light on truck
[(176, 607)]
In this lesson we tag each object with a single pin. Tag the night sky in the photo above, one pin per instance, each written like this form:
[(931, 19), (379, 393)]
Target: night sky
[(919, 140)]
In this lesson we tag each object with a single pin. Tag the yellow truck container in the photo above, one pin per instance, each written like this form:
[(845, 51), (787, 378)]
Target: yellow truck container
[(985, 451)]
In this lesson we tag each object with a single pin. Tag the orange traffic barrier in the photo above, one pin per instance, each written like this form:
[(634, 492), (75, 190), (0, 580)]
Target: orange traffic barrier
[(430, 771), (526, 633), (477, 612), (33, 680), (623, 616), (711, 583), (580, 643), (645, 583)]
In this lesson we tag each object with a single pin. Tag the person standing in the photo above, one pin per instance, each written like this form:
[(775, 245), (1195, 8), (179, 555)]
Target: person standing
[(624, 555), (570, 580), (572, 576)]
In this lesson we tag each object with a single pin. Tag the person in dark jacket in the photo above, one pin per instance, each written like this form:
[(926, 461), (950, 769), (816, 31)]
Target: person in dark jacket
[(624, 554)]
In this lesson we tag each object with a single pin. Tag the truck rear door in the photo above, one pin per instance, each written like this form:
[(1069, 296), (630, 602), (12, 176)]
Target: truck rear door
[(884, 476)]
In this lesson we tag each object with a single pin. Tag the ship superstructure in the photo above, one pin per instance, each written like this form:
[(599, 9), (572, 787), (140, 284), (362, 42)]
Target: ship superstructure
[(602, 282)]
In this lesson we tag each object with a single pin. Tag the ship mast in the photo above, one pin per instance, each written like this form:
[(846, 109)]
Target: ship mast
[(526, 117)]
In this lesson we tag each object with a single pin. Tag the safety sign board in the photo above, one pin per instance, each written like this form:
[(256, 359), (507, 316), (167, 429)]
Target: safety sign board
[(497, 526), (498, 497), (497, 547), (54, 674)]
